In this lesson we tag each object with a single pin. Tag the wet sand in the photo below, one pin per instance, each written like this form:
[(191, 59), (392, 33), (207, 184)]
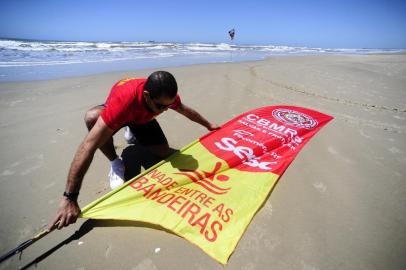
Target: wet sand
[(340, 205)]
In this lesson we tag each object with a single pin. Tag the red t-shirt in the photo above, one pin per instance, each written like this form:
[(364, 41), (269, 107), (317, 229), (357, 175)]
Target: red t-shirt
[(125, 104)]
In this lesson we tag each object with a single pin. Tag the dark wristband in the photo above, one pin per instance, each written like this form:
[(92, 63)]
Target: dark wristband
[(72, 196)]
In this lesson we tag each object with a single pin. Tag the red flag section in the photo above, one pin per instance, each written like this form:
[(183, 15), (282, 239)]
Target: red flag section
[(266, 139)]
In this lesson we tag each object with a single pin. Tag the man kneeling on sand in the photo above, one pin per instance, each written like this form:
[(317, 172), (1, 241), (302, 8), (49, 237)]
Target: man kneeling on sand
[(134, 104)]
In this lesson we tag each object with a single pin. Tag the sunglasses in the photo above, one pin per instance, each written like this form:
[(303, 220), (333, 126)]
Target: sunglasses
[(160, 106)]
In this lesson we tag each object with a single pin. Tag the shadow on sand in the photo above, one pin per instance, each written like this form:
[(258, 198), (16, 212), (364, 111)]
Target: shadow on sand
[(86, 227), (135, 158)]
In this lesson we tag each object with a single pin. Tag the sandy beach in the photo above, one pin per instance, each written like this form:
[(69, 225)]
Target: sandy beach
[(340, 205)]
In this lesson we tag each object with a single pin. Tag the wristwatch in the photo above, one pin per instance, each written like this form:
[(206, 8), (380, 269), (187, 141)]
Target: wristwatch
[(72, 196)]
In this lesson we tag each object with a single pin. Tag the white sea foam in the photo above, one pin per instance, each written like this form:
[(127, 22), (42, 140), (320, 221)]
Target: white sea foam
[(49, 58), (24, 52), (67, 62)]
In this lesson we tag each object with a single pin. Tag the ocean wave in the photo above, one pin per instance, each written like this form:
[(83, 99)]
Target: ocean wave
[(15, 53), (69, 62)]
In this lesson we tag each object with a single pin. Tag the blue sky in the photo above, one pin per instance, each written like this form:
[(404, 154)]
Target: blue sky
[(311, 23)]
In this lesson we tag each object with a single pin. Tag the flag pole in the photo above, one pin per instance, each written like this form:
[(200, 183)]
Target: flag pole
[(232, 50), (27, 243)]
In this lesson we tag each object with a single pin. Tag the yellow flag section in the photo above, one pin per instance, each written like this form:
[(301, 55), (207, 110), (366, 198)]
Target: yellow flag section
[(171, 195), (209, 191)]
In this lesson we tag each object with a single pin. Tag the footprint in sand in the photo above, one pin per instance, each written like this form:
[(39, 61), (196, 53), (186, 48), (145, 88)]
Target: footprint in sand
[(363, 134), (306, 266), (36, 160), (61, 132), (108, 250), (39, 161), (331, 150), (146, 264), (271, 244), (7, 172), (398, 117), (320, 187), (268, 208), (15, 164), (14, 102), (249, 266), (51, 184), (394, 150)]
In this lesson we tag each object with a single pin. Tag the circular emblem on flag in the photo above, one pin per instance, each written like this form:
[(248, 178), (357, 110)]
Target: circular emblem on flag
[(294, 118)]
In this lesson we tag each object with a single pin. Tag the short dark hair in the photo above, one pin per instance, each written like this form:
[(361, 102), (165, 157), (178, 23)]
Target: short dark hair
[(161, 83)]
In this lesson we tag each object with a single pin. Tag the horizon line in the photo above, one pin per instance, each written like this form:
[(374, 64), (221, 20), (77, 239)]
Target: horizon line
[(183, 42)]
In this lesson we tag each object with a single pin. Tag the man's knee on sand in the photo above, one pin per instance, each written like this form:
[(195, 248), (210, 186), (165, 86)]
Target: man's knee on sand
[(160, 150), (91, 116)]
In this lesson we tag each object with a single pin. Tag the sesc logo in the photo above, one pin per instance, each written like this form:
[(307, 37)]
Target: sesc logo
[(294, 118), (244, 153)]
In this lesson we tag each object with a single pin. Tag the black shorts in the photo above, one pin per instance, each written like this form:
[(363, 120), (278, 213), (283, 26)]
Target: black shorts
[(149, 134)]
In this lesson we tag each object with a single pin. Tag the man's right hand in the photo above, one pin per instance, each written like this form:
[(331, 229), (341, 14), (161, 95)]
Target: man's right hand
[(67, 214)]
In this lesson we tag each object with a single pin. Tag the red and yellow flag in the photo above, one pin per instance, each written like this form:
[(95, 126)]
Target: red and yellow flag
[(209, 191)]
